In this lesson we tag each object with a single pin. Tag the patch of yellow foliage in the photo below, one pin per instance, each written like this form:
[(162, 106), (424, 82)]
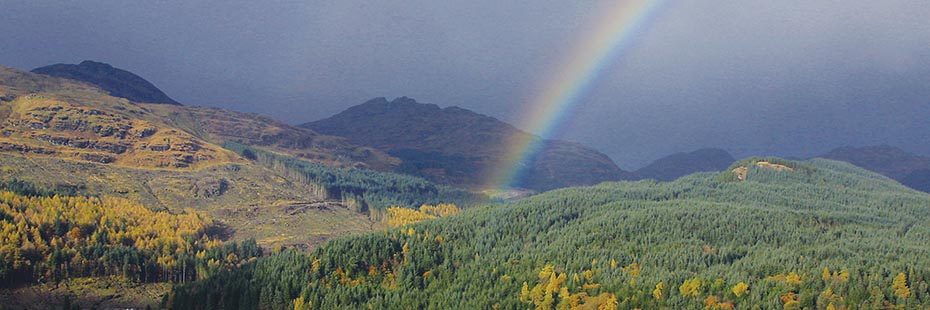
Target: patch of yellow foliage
[(400, 216), (552, 292), (740, 289), (691, 288)]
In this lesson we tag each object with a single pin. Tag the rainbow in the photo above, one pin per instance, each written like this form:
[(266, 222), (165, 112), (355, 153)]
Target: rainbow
[(613, 34)]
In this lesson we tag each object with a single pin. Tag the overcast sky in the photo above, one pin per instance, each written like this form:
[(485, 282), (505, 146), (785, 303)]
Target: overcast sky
[(786, 77)]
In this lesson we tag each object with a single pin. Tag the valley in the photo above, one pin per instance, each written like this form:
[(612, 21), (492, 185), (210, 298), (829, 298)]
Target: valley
[(112, 202)]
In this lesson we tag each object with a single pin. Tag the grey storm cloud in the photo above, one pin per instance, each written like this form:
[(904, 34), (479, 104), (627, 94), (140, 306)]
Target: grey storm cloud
[(788, 77)]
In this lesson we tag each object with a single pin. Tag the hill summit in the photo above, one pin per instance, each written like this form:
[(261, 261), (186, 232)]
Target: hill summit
[(117, 82), (457, 146)]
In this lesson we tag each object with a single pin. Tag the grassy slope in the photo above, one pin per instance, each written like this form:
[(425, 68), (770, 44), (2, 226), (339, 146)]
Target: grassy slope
[(706, 226)]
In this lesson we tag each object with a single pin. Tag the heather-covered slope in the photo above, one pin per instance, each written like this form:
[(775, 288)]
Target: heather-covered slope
[(457, 146)]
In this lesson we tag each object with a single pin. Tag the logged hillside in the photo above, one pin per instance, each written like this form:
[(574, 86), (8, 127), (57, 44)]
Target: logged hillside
[(909, 169), (681, 164), (765, 234), (457, 146), (116, 82)]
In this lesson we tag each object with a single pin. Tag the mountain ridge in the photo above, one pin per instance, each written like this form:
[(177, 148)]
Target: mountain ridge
[(681, 164), (117, 82), (458, 146)]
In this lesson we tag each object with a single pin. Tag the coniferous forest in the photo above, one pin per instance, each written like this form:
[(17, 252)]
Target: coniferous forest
[(767, 233)]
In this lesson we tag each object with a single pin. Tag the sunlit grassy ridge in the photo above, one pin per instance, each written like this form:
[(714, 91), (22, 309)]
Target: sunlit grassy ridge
[(822, 233)]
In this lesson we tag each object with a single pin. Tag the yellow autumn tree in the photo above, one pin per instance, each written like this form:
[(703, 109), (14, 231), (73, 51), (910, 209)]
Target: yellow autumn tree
[(690, 288), (300, 304), (610, 304), (740, 289), (793, 278), (714, 303), (659, 292), (900, 286)]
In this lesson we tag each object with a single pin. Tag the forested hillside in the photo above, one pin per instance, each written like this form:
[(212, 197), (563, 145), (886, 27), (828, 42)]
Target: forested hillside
[(765, 234)]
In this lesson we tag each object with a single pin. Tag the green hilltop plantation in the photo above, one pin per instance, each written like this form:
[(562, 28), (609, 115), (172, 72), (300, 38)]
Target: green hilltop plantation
[(767, 233)]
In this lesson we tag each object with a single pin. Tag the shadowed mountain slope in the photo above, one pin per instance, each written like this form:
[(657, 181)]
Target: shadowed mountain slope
[(681, 164), (457, 146), (117, 82)]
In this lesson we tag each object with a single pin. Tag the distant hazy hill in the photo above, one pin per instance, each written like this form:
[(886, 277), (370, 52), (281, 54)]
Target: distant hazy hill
[(681, 164), (765, 234), (909, 169), (458, 146), (117, 82)]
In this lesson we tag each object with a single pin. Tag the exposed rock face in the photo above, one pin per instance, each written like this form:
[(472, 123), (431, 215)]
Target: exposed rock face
[(457, 146), (117, 82), (909, 169), (681, 164)]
